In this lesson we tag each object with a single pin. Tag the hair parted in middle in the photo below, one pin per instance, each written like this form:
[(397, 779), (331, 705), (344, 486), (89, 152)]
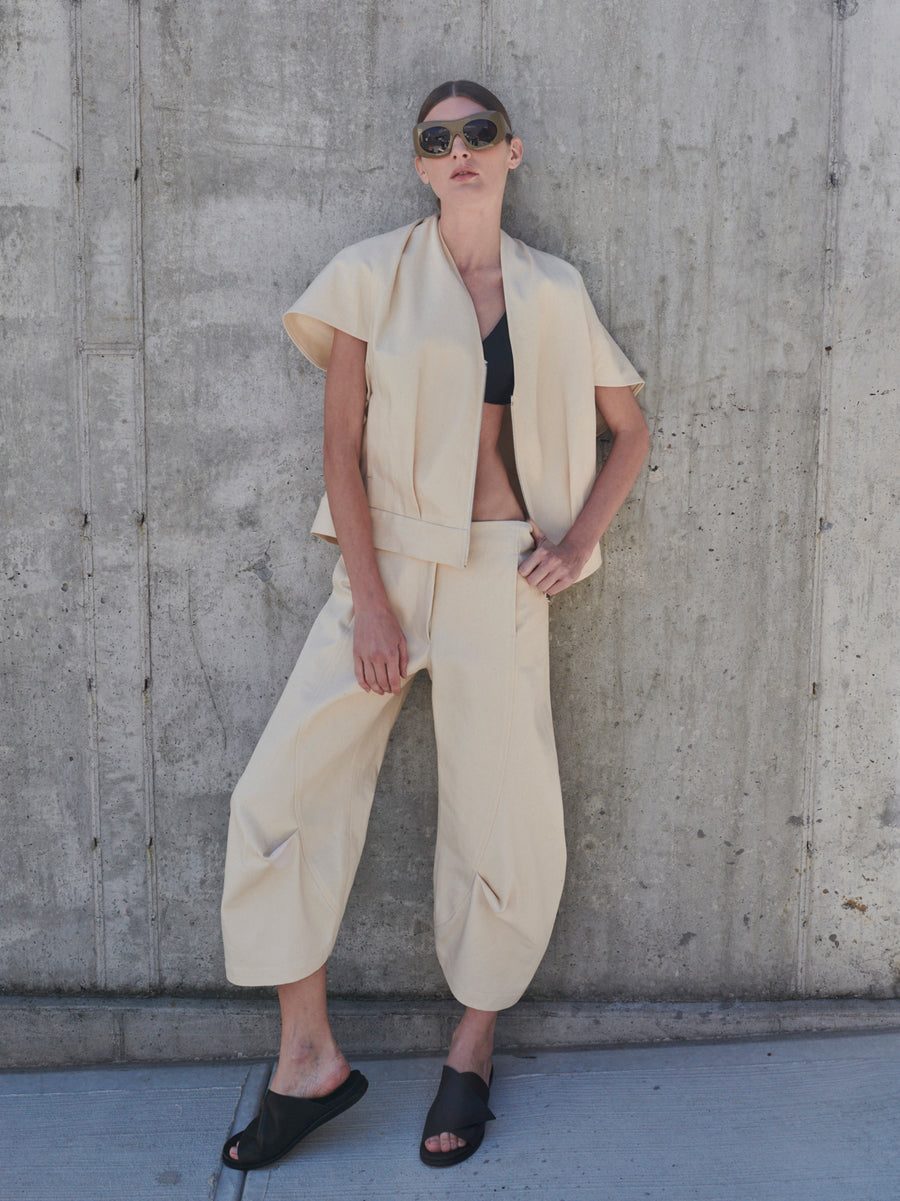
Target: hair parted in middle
[(471, 91)]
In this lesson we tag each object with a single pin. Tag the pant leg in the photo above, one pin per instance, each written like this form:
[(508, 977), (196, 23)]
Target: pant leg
[(500, 855), (300, 811)]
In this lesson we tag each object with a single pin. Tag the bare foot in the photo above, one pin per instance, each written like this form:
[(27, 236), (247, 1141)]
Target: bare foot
[(308, 1073), (470, 1051)]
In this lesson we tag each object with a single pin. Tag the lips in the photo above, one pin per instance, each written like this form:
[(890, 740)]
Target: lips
[(463, 171)]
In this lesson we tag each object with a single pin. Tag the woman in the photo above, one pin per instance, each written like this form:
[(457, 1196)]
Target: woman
[(466, 378)]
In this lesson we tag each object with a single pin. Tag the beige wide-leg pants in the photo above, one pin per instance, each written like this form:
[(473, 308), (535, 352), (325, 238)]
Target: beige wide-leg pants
[(300, 810)]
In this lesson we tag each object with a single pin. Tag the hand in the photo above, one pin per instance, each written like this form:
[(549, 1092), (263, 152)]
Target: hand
[(379, 650), (549, 567)]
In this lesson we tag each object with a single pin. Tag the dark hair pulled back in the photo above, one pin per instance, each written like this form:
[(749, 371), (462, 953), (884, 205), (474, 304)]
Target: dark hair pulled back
[(468, 89)]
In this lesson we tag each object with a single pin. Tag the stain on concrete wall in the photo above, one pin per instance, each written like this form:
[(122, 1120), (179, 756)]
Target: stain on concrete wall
[(723, 696)]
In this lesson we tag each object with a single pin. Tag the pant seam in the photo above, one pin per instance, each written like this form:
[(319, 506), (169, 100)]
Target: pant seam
[(479, 857), (326, 894)]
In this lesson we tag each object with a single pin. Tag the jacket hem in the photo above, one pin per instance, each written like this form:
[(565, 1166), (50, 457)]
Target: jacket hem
[(409, 536), (419, 539)]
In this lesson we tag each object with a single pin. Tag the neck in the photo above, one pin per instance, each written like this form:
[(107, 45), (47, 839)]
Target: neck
[(472, 235)]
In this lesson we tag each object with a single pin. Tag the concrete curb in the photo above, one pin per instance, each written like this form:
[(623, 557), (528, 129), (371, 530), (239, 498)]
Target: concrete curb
[(57, 1031)]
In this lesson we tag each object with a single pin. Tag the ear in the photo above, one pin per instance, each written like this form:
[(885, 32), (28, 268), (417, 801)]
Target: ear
[(516, 153), (420, 170)]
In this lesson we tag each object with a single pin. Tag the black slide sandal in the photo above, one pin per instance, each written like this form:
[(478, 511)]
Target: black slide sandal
[(461, 1108), (283, 1121)]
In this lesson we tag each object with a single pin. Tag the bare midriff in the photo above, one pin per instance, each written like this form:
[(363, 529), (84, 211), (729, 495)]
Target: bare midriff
[(498, 496)]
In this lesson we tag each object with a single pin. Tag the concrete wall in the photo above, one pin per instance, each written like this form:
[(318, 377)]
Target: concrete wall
[(725, 690)]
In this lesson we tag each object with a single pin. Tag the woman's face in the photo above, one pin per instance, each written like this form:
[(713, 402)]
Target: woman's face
[(465, 175)]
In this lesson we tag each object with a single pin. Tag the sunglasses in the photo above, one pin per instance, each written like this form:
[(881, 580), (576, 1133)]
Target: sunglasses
[(434, 139)]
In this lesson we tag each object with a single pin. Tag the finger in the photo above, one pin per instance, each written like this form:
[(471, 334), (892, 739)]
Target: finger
[(544, 574), (559, 586), (393, 673), (559, 581), (381, 670), (404, 658), (536, 532), (372, 678), (528, 565), (360, 670)]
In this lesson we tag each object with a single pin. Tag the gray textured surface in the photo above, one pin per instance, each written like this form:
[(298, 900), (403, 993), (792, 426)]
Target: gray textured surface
[(725, 689), (48, 1031), (854, 802), (790, 1120), (108, 1134)]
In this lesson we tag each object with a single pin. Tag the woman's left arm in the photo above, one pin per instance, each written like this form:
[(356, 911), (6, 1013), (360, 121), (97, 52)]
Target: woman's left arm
[(553, 567)]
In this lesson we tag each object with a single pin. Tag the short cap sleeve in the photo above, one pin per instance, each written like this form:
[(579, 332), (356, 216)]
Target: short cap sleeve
[(611, 368), (340, 297)]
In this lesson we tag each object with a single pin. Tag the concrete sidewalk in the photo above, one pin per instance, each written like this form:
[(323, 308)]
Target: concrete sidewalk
[(801, 1119)]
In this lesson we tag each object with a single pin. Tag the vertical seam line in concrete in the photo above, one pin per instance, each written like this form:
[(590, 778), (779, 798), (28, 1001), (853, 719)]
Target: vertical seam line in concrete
[(87, 549), (142, 517), (118, 1048), (487, 21), (814, 680), (230, 1184)]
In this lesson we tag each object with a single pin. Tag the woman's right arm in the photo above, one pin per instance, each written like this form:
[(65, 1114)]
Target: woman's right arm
[(379, 647)]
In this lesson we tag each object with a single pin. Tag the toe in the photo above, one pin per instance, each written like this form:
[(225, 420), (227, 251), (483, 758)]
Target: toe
[(444, 1142)]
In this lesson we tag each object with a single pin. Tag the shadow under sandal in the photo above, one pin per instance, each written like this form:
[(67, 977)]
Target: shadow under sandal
[(460, 1108), (283, 1121)]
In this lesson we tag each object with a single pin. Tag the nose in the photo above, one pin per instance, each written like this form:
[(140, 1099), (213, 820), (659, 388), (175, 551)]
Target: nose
[(459, 145)]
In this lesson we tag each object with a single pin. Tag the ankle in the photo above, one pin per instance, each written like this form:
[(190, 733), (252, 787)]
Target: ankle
[(308, 1073), (475, 1030), (479, 1042), (471, 1051), (306, 1054)]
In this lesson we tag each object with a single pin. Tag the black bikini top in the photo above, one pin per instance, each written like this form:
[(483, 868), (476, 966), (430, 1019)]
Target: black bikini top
[(500, 378)]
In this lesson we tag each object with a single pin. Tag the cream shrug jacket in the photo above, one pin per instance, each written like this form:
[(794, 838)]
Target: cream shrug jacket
[(402, 294)]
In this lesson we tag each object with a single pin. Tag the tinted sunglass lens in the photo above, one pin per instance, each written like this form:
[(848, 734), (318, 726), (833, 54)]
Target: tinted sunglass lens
[(435, 140), (480, 133)]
